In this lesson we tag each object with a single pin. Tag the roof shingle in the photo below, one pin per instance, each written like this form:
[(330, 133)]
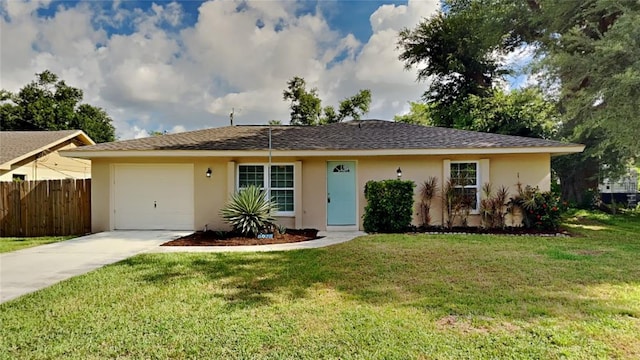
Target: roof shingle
[(15, 144), (351, 135)]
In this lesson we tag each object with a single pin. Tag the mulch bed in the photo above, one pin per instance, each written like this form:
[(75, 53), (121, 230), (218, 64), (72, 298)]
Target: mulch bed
[(212, 238)]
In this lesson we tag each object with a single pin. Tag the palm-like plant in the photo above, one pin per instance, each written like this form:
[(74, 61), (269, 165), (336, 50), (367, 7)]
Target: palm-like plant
[(428, 191), (249, 211)]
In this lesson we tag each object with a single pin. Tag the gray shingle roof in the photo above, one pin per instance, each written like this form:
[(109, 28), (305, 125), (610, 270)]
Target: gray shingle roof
[(15, 144), (351, 135)]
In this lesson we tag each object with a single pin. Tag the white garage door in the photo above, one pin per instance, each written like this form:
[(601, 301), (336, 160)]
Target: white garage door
[(153, 197)]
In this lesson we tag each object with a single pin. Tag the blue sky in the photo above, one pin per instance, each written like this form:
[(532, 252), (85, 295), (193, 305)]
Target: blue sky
[(175, 66)]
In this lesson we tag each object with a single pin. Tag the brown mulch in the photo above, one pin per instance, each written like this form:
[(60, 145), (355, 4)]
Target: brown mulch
[(210, 238)]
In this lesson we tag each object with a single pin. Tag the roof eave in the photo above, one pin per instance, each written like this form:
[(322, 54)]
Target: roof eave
[(557, 150)]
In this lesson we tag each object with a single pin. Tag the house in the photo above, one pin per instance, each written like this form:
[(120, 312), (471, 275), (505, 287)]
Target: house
[(317, 173), (34, 155)]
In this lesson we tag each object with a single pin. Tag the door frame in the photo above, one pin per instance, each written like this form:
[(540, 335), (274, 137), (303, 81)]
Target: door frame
[(112, 187), (355, 227)]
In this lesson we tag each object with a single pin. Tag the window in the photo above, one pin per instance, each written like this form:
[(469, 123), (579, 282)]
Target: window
[(19, 177), (465, 175), (281, 183)]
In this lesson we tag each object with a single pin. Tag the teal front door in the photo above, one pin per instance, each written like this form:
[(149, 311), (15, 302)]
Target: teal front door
[(341, 193)]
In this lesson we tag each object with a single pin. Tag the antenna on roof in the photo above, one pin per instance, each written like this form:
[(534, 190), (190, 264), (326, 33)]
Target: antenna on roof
[(231, 116)]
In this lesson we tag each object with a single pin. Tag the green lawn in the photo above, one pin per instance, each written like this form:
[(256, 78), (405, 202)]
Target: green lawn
[(14, 243), (383, 296)]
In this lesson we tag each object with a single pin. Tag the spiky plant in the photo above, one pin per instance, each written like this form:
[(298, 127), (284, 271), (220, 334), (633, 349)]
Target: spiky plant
[(428, 191), (249, 211)]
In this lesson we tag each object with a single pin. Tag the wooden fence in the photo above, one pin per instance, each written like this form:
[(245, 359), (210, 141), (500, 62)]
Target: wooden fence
[(45, 208)]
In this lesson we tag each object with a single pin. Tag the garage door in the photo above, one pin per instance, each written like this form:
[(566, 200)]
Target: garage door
[(153, 197)]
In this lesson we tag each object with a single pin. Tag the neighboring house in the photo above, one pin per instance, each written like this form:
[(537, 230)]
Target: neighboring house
[(622, 191), (33, 155), (318, 173)]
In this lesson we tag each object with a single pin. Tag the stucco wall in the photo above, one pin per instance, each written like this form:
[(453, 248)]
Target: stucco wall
[(50, 166), (311, 204)]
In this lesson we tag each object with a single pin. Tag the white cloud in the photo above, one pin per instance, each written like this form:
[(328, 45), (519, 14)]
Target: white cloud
[(164, 75)]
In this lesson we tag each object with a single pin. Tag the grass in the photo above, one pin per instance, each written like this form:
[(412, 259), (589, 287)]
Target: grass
[(15, 243), (382, 296)]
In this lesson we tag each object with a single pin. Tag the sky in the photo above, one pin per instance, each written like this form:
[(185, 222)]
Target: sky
[(176, 66)]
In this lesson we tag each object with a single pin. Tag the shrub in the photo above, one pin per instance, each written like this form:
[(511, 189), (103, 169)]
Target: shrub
[(249, 211), (428, 191), (389, 205), (492, 207), (456, 203), (540, 210)]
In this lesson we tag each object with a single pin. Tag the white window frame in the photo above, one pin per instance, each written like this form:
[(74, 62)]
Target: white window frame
[(477, 186), (265, 185)]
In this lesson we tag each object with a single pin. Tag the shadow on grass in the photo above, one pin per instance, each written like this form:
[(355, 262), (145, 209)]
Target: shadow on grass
[(240, 280), (500, 278)]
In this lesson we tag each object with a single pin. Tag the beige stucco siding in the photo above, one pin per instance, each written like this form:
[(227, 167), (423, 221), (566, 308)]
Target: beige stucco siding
[(50, 166), (210, 194)]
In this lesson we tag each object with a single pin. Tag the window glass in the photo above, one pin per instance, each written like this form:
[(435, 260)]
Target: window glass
[(282, 176), (465, 176), (282, 186), (251, 175), (281, 182)]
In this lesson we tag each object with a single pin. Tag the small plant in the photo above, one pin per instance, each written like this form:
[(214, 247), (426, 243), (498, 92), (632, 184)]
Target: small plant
[(456, 203), (281, 229), (249, 211), (493, 208), (389, 206), (540, 210), (428, 191)]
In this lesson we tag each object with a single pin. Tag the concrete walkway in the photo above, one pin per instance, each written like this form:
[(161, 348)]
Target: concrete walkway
[(28, 270)]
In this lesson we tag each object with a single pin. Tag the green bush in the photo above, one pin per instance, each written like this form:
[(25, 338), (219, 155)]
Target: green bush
[(540, 210), (249, 211), (389, 206)]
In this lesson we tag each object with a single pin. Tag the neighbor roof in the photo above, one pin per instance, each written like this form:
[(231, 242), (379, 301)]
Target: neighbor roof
[(351, 135), (16, 146)]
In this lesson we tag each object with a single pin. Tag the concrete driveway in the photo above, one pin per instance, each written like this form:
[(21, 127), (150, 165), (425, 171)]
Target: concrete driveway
[(28, 270)]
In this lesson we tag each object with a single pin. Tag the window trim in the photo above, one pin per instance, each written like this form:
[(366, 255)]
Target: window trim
[(477, 186), (267, 177)]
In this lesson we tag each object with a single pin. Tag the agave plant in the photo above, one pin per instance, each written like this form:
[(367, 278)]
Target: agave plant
[(249, 211)]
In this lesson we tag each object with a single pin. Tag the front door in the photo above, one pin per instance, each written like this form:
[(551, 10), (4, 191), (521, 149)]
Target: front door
[(341, 193)]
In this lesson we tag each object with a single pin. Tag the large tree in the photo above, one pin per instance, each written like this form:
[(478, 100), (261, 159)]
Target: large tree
[(588, 52), (521, 112), (48, 103), (306, 108)]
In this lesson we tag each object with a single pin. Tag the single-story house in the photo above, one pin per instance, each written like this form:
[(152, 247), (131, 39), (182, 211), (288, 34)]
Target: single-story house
[(33, 155), (317, 173)]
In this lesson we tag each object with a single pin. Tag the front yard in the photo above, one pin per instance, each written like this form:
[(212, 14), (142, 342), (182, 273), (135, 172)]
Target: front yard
[(383, 296), (15, 243)]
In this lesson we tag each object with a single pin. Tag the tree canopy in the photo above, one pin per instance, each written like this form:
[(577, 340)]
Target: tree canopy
[(48, 103), (585, 53), (306, 106)]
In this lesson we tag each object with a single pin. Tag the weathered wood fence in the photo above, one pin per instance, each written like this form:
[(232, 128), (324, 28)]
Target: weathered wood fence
[(45, 208)]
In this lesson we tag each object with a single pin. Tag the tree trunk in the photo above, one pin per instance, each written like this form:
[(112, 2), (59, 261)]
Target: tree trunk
[(578, 177)]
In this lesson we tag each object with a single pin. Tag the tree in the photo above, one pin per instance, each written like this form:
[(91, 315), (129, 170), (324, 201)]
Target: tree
[(306, 105), (419, 114), (521, 112), (275, 122), (587, 51), (48, 103)]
